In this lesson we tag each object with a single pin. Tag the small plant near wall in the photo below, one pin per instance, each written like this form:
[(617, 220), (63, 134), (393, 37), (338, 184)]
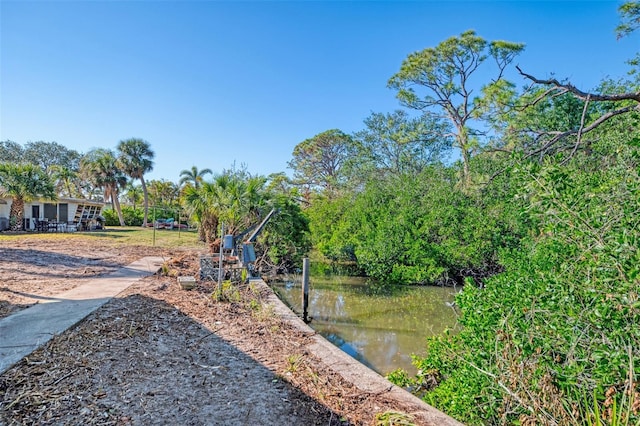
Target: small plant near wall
[(293, 362), (394, 418), (227, 293)]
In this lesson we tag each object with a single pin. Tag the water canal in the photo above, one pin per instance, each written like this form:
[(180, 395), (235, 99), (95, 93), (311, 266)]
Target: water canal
[(380, 331)]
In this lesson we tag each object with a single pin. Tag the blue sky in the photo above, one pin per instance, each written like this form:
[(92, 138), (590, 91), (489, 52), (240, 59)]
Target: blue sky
[(211, 83)]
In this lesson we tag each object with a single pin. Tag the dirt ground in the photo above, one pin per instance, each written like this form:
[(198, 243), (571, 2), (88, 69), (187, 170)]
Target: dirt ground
[(159, 354)]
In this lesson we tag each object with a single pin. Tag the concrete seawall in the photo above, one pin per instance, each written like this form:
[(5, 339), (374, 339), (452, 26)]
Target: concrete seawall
[(365, 379)]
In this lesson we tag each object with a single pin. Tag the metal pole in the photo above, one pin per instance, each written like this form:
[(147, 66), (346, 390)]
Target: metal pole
[(179, 210), (220, 262), (153, 224), (305, 289)]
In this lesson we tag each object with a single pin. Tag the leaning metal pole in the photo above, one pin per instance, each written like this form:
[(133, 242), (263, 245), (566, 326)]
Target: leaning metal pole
[(220, 262), (154, 225)]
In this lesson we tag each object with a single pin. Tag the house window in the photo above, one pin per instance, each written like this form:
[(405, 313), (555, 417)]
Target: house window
[(63, 212), (50, 211)]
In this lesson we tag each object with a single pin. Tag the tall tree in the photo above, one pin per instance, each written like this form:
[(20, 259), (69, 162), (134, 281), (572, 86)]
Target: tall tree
[(280, 183), (23, 183), (317, 162), (66, 180), (200, 204), (396, 143), (136, 158), (11, 152), (133, 194), (47, 154), (163, 193), (445, 73), (194, 176), (103, 168)]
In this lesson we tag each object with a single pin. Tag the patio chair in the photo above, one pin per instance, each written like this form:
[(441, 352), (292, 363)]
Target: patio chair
[(40, 225)]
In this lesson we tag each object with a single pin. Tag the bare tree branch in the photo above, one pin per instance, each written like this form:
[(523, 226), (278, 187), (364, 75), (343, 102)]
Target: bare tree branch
[(631, 96), (580, 129), (551, 138)]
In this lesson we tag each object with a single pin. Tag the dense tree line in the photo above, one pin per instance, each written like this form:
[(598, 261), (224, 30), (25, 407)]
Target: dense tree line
[(234, 197), (98, 174), (538, 216)]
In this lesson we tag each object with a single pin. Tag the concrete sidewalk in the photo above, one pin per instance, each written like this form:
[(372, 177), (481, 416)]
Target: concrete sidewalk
[(29, 329)]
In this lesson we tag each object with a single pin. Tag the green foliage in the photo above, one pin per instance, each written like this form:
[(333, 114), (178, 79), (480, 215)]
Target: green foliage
[(193, 177), (396, 143), (103, 169), (163, 194), (132, 217), (23, 182), (135, 216), (329, 230), (11, 152), (241, 202), (135, 157), (111, 217), (47, 154), (399, 377), (630, 18), (411, 229), (562, 319), (391, 418), (318, 162), (445, 73), (543, 230), (227, 292), (286, 239)]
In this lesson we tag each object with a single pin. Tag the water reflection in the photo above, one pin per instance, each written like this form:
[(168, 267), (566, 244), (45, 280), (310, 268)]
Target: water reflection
[(381, 331)]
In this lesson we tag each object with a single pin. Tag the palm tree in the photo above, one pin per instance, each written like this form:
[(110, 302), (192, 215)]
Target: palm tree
[(102, 167), (163, 193), (136, 158), (23, 183), (201, 204), (133, 193), (235, 200), (65, 179), (241, 199), (193, 177)]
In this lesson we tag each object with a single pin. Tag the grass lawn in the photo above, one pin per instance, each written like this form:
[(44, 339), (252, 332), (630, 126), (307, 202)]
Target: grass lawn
[(127, 235)]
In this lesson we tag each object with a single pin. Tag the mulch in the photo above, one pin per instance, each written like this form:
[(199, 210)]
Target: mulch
[(159, 354)]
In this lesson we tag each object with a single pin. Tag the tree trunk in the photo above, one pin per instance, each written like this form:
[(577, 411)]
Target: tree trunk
[(116, 204), (466, 172), (465, 150), (209, 227), (16, 215)]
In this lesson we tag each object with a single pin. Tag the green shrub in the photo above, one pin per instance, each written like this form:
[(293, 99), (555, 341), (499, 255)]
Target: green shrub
[(562, 319), (416, 229), (132, 217)]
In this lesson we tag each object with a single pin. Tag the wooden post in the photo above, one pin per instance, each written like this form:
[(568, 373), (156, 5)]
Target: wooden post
[(305, 289)]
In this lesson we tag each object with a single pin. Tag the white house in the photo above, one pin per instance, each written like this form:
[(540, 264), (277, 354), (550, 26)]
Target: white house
[(82, 213)]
